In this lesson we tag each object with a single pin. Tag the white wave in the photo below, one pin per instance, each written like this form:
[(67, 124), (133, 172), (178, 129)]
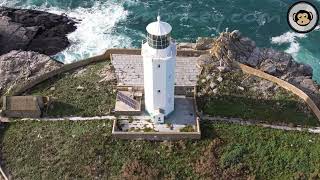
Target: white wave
[(95, 28), (7, 3), (94, 32), (291, 38)]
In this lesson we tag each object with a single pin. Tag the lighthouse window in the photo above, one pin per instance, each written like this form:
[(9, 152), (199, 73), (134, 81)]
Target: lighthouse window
[(159, 42), (159, 91), (158, 65)]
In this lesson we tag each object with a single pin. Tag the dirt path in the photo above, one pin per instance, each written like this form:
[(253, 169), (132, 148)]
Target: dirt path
[(240, 121)]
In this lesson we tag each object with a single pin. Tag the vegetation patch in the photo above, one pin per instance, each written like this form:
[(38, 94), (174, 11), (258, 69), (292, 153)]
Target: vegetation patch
[(187, 128), (84, 92), (267, 111), (234, 156), (86, 150), (148, 129), (135, 170)]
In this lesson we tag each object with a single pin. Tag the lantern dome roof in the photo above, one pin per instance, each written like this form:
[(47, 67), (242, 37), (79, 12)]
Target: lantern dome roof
[(159, 28)]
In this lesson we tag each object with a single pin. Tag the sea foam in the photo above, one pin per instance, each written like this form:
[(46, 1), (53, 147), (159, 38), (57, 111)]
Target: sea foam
[(290, 38), (95, 31)]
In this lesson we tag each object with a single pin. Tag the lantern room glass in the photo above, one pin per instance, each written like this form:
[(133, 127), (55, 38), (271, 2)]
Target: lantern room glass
[(159, 42)]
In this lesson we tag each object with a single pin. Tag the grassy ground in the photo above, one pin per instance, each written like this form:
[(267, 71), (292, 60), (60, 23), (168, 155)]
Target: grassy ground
[(79, 93), (269, 111), (85, 150), (271, 106)]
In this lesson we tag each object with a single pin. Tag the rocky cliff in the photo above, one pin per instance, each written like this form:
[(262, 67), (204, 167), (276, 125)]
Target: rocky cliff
[(232, 46), (27, 39), (30, 30), (20, 66)]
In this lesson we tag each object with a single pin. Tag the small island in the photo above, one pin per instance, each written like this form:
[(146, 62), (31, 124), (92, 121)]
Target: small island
[(236, 111)]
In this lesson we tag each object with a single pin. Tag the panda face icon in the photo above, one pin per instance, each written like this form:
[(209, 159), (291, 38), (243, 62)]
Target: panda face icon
[(303, 17)]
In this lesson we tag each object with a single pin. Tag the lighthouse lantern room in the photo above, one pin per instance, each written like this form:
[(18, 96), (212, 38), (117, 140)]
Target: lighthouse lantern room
[(159, 62)]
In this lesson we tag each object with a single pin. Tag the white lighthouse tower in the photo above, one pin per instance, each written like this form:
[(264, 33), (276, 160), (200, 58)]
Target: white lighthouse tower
[(159, 62)]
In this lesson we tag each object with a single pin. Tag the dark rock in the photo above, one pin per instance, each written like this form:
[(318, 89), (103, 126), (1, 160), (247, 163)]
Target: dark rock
[(18, 67), (235, 34), (282, 66), (32, 30), (254, 58), (305, 69), (268, 67), (296, 80), (275, 67), (247, 42)]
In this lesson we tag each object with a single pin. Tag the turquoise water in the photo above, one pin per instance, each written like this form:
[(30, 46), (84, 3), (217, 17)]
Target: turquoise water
[(109, 23)]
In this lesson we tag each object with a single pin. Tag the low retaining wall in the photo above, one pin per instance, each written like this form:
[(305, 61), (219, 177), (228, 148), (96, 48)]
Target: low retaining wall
[(178, 90), (3, 174), (184, 53), (66, 68), (105, 57), (283, 84), (195, 104), (157, 136)]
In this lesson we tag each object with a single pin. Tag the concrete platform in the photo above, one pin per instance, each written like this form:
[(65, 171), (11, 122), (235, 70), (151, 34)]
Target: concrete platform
[(183, 115), (129, 70)]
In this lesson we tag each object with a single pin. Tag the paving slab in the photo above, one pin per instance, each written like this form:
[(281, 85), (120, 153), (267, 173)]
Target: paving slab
[(184, 112), (129, 70)]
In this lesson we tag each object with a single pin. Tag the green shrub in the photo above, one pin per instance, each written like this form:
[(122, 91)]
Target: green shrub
[(233, 155), (187, 128), (130, 119), (148, 129)]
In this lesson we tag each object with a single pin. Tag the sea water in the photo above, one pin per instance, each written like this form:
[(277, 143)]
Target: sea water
[(121, 23)]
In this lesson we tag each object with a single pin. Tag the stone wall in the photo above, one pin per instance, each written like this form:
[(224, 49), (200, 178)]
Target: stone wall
[(3, 174), (156, 136), (195, 105), (184, 53), (179, 90), (66, 68), (283, 84)]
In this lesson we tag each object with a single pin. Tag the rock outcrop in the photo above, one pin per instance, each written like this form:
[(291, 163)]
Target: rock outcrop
[(19, 67), (31, 30), (204, 43), (232, 47)]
